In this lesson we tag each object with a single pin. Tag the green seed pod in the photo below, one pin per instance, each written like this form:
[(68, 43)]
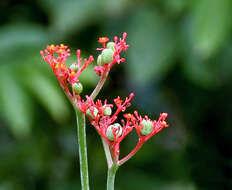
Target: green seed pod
[(107, 110), (107, 55), (147, 127), (111, 45), (77, 87), (95, 112), (110, 133), (74, 67), (100, 61)]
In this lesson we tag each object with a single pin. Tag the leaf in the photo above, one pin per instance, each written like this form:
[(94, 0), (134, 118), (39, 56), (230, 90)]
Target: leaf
[(46, 93), (211, 25), (19, 34), (16, 105), (66, 16), (18, 41), (151, 47)]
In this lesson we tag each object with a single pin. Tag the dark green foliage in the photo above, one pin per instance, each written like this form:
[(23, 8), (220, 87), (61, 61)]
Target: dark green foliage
[(179, 61)]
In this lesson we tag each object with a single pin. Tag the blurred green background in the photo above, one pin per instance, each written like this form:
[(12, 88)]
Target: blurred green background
[(179, 61)]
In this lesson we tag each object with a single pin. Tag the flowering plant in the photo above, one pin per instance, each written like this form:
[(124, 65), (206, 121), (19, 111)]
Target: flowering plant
[(100, 112)]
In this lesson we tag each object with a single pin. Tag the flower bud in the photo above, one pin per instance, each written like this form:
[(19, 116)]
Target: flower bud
[(111, 45), (100, 61), (114, 129), (107, 55), (89, 113), (77, 87), (74, 67), (107, 110), (147, 127)]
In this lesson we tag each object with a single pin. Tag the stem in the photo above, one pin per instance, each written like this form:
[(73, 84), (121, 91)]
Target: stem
[(82, 149), (100, 84), (107, 153), (111, 176), (132, 153)]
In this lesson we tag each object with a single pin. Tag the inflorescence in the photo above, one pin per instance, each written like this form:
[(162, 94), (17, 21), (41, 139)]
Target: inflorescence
[(100, 113)]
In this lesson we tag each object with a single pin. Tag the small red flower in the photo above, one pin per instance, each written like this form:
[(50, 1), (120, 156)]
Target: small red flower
[(103, 40), (119, 46), (106, 124), (56, 57)]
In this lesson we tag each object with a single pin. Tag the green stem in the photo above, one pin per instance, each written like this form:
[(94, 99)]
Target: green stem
[(82, 149), (107, 152), (111, 176)]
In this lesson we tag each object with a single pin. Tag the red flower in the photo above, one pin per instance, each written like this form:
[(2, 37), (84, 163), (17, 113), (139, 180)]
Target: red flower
[(106, 124), (119, 46), (103, 40), (56, 57)]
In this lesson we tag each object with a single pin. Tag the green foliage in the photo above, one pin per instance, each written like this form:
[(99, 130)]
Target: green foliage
[(179, 61)]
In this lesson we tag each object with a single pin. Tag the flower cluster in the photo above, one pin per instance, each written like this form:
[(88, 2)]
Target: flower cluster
[(56, 56), (101, 117), (110, 53), (100, 113)]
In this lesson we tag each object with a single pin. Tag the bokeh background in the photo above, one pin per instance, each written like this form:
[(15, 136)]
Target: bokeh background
[(179, 61)]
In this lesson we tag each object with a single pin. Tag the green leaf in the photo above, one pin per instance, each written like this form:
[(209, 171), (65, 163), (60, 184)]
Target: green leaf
[(16, 35), (70, 15), (211, 25), (16, 106), (18, 41), (47, 93), (151, 47)]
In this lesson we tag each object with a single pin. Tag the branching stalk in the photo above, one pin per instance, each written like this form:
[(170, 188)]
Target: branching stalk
[(111, 176), (81, 133)]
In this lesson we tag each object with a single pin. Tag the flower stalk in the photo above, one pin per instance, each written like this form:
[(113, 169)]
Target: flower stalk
[(111, 176), (100, 113), (81, 134)]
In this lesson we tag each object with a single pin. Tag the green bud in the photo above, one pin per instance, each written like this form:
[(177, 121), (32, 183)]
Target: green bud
[(110, 133), (107, 110), (147, 127), (100, 61), (89, 113), (77, 87), (111, 45), (107, 55), (74, 67)]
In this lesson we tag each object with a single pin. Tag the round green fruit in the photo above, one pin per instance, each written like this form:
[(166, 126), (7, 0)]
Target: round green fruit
[(89, 113), (147, 127), (107, 55), (118, 130), (111, 45), (77, 87), (107, 111)]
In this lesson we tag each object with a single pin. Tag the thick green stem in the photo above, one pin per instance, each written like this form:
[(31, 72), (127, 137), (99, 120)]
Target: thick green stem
[(111, 176), (82, 149), (107, 152)]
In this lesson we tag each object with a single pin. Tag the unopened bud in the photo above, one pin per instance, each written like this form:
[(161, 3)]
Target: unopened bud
[(100, 61), (77, 87), (115, 129), (107, 55), (111, 45), (74, 67), (107, 110), (89, 113), (147, 127)]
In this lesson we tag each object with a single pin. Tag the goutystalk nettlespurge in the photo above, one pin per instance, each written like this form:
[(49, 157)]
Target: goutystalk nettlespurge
[(102, 115)]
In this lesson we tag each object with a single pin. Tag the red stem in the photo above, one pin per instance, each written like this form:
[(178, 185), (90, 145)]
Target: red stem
[(132, 153), (100, 84)]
